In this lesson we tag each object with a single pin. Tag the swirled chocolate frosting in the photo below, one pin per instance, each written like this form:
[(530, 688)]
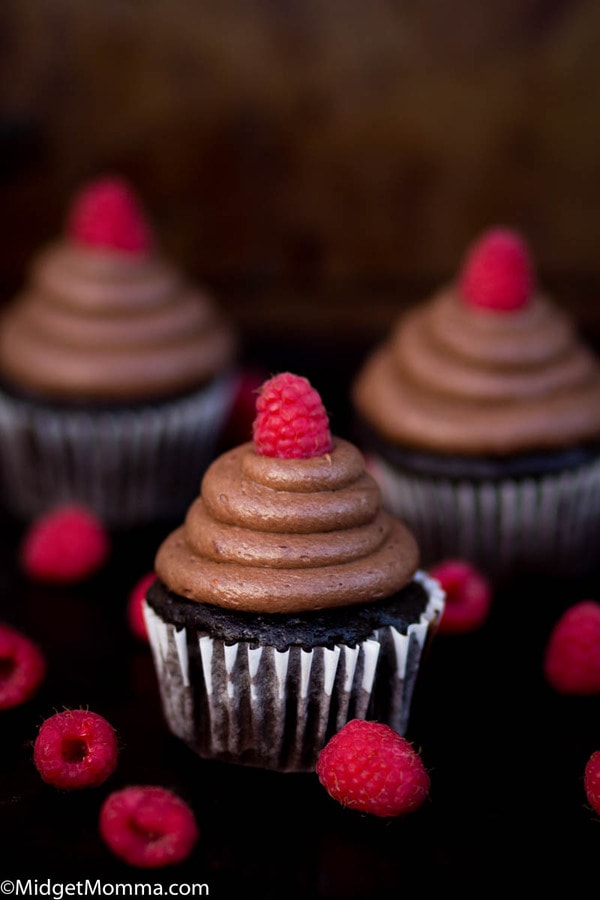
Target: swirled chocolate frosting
[(102, 325), (287, 535), (457, 378)]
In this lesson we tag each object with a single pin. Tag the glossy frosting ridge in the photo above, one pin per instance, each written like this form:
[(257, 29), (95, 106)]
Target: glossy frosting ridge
[(280, 535), (453, 378), (103, 325)]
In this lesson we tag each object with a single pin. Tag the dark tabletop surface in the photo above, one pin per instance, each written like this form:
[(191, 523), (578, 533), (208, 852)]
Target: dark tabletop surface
[(505, 753)]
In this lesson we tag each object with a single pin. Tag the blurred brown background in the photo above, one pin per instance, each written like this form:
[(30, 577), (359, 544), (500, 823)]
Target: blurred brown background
[(319, 163)]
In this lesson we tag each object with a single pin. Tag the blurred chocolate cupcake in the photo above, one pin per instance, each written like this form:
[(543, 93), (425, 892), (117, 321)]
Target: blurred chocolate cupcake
[(480, 418), (289, 601), (116, 373)]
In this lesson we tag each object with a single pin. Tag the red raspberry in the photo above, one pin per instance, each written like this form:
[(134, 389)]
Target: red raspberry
[(106, 214), (135, 604), (65, 545), (497, 273), (22, 667), (591, 781), (291, 422), (572, 653), (369, 767), (148, 826), (75, 749), (468, 595)]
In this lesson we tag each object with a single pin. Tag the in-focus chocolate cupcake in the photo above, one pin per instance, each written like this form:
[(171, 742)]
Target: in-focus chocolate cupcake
[(289, 601), (116, 373), (480, 418)]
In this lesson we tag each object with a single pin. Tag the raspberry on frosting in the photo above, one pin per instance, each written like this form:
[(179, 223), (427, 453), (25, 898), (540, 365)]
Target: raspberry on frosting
[(106, 214), (291, 421), (497, 273)]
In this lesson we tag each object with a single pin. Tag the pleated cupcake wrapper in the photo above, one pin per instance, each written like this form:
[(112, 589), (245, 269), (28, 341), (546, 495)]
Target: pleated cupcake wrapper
[(275, 709), (130, 466), (549, 524)]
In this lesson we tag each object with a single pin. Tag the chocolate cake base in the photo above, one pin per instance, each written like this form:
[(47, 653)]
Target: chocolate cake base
[(269, 690)]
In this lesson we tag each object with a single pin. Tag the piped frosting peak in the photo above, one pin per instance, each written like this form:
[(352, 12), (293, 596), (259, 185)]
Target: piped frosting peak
[(282, 534), (489, 365)]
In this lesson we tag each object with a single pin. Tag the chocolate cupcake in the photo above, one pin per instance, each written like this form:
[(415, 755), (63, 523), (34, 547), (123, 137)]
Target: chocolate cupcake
[(289, 601), (116, 374), (480, 418)]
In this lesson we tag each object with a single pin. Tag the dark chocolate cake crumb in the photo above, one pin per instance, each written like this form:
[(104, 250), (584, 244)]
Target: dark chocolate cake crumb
[(324, 628)]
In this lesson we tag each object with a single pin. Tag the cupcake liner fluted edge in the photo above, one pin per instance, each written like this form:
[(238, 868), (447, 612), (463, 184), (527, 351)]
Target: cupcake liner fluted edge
[(275, 709)]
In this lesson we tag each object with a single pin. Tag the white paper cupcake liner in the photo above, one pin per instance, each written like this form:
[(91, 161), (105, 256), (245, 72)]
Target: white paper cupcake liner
[(276, 709), (549, 524), (131, 466)]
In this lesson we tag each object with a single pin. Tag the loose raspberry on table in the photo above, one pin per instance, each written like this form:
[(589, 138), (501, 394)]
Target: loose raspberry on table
[(75, 749), (497, 273), (572, 653), (148, 826), (291, 421), (591, 781), (22, 667), (106, 214), (135, 605), (64, 545), (468, 595), (369, 767)]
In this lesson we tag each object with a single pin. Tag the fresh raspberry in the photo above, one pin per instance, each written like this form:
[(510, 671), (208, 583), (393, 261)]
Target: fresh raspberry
[(468, 595), (591, 781), (65, 545), (106, 214), (148, 826), (369, 767), (572, 653), (135, 605), (497, 273), (22, 667), (75, 749), (291, 422)]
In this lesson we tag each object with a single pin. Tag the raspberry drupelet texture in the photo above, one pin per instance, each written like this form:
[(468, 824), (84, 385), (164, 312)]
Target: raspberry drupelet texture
[(572, 652), (65, 545), (497, 273), (291, 421), (468, 595), (106, 214), (591, 781), (75, 749), (22, 667), (148, 826), (369, 767)]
